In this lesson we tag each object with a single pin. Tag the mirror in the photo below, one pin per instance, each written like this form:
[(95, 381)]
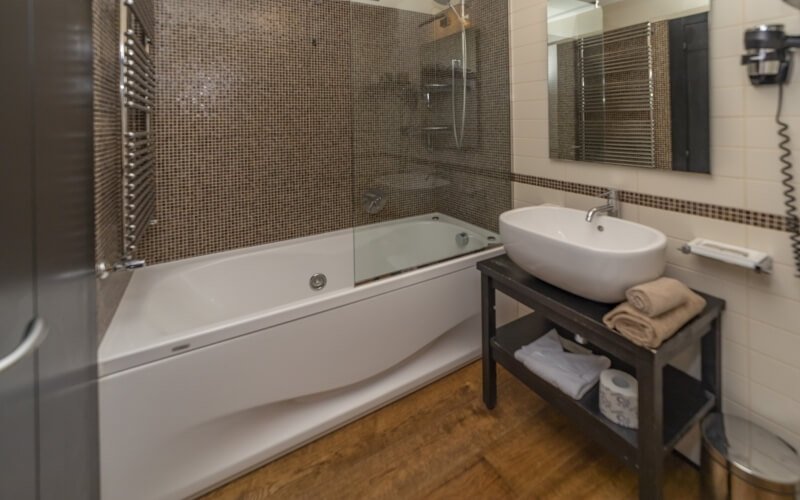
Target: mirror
[(628, 82)]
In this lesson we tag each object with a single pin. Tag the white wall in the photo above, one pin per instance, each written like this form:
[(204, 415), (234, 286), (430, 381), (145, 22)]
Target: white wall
[(589, 22), (627, 13), (761, 346)]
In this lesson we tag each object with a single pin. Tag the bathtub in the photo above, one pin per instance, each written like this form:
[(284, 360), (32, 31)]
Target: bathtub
[(215, 365)]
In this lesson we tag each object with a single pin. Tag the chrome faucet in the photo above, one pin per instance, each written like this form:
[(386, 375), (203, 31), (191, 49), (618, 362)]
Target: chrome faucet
[(611, 208)]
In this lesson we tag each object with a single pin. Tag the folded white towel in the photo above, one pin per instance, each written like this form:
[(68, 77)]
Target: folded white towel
[(573, 374), (549, 342)]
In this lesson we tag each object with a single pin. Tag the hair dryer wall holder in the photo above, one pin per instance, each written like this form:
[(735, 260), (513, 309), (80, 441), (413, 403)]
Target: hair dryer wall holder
[(769, 54)]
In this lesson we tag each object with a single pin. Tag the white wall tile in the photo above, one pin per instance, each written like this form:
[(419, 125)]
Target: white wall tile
[(782, 282), (734, 358), (687, 227), (779, 377), (726, 13), (761, 326), (527, 36), (763, 164), (529, 110), (735, 328), (774, 342), (727, 132), (530, 129), (774, 243), (736, 388), (728, 162), (774, 310), (735, 295), (759, 11), (764, 196), (531, 91), (535, 195), (780, 409), (727, 72), (725, 42), (727, 101)]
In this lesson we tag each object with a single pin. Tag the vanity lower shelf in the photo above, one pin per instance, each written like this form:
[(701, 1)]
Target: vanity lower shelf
[(670, 402), (685, 399)]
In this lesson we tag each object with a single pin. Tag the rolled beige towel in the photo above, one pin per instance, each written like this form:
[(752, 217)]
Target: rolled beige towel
[(657, 297), (652, 332)]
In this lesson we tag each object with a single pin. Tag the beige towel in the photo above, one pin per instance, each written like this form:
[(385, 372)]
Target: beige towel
[(652, 332), (657, 297)]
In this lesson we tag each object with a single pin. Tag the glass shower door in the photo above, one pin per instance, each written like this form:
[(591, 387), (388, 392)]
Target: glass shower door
[(431, 132)]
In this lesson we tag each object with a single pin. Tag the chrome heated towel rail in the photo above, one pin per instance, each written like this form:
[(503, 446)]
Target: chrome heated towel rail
[(137, 87), (615, 94), (137, 96)]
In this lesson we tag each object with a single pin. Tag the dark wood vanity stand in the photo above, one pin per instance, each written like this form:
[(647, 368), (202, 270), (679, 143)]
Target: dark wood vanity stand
[(670, 401)]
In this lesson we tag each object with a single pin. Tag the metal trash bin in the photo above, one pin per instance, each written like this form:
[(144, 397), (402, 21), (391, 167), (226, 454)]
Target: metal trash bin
[(742, 460)]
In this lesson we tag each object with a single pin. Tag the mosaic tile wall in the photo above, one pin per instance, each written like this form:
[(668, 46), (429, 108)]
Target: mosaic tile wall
[(712, 211), (563, 105), (398, 53), (662, 101), (252, 124), (478, 190), (264, 135), (107, 154), (388, 110)]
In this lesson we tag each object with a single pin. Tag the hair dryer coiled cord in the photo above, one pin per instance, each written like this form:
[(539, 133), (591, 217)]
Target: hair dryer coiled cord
[(793, 227)]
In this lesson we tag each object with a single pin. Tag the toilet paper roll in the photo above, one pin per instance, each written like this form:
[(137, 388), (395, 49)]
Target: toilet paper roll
[(619, 398)]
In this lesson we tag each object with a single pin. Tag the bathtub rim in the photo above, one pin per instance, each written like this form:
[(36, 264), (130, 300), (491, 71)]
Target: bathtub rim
[(114, 360)]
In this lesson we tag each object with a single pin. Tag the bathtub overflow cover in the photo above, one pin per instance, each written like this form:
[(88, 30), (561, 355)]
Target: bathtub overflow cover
[(318, 281)]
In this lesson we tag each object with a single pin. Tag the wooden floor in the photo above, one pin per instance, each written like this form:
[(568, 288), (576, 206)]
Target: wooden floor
[(441, 442)]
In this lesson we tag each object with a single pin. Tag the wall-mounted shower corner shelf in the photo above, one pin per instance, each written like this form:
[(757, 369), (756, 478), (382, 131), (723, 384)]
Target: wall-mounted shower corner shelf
[(759, 262), (435, 88), (436, 129)]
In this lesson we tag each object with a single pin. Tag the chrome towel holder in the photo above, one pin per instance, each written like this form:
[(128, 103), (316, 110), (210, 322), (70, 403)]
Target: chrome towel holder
[(137, 100)]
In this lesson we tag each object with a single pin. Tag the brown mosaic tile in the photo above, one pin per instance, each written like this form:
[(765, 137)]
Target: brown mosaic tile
[(252, 137), (479, 189), (729, 214), (387, 107), (107, 154), (274, 118)]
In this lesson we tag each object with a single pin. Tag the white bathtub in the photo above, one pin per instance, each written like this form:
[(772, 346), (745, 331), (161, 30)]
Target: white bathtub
[(215, 365)]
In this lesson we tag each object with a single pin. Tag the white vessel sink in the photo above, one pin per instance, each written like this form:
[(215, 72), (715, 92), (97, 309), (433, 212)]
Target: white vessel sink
[(597, 260)]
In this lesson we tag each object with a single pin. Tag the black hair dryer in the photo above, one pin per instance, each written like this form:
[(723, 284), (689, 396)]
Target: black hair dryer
[(769, 54)]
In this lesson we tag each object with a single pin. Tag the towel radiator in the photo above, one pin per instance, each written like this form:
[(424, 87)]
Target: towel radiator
[(137, 96), (615, 97)]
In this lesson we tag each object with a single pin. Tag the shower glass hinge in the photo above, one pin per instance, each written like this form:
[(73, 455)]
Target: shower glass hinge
[(103, 269)]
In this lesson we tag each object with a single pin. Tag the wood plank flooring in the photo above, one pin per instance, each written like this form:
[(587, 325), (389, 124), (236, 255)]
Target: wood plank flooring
[(442, 443)]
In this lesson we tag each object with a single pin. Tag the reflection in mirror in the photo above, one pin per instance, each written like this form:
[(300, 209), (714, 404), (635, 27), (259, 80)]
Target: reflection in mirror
[(628, 82)]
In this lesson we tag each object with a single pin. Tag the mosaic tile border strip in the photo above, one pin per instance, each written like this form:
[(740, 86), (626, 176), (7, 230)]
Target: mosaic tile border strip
[(728, 214)]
